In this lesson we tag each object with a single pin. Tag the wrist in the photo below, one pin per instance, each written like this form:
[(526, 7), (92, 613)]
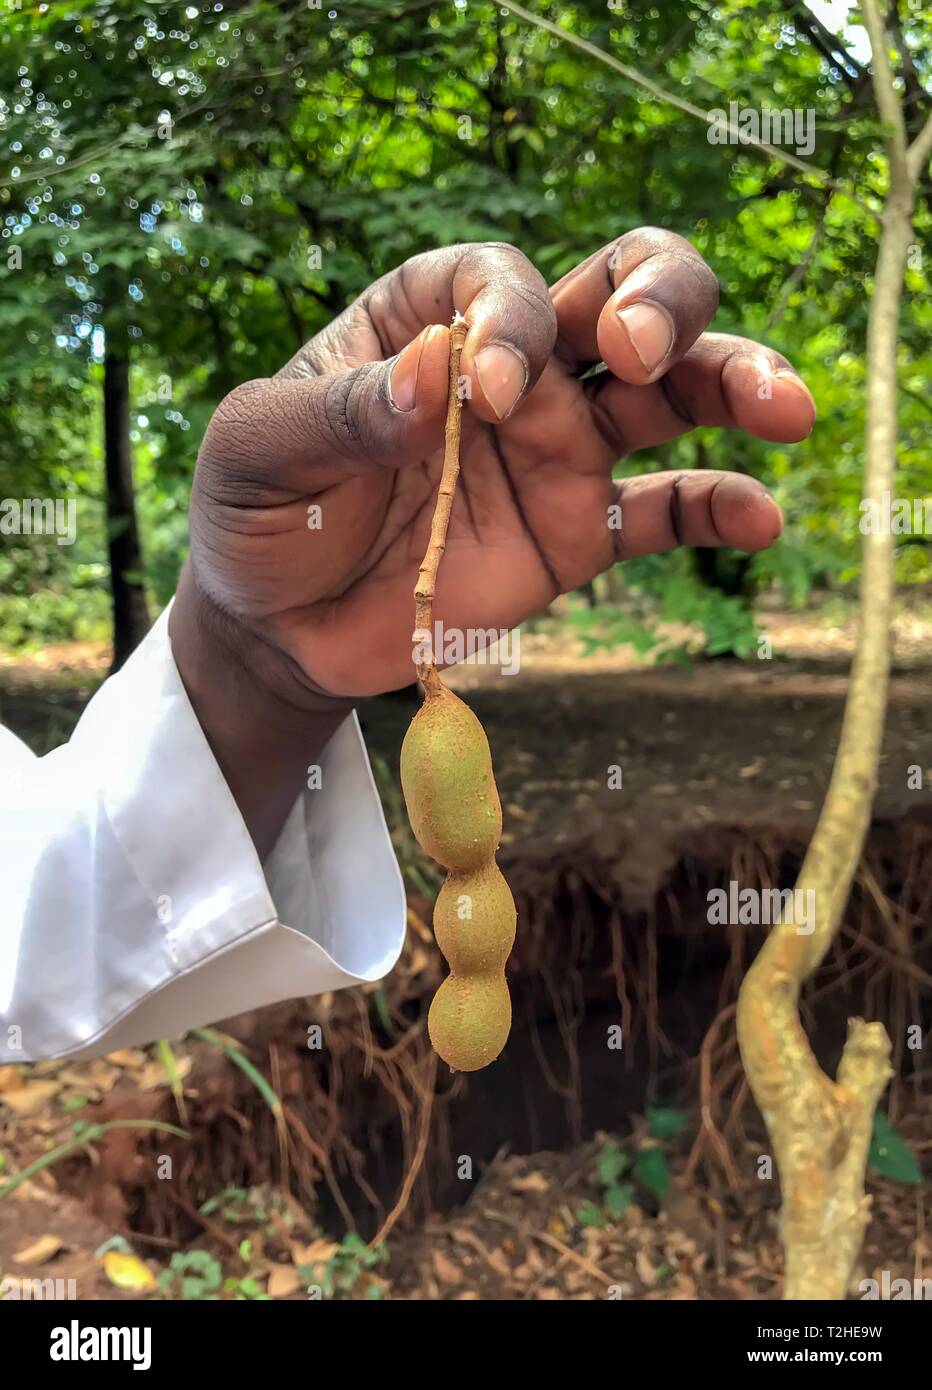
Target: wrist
[(207, 639), (266, 725)]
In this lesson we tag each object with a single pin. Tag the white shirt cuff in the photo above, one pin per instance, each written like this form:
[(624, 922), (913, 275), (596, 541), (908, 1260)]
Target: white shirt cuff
[(139, 906)]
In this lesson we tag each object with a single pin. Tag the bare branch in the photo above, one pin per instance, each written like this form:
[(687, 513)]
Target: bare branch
[(888, 103), (919, 152)]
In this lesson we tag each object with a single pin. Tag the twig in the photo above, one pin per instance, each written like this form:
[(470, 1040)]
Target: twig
[(555, 1244), (427, 575), (211, 1227), (798, 274), (420, 1151), (708, 1129)]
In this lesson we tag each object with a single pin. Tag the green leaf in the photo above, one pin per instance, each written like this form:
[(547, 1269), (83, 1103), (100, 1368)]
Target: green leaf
[(589, 1215), (618, 1198), (75, 1103), (891, 1155), (653, 1170), (354, 1246), (612, 1163), (381, 1008), (664, 1122)]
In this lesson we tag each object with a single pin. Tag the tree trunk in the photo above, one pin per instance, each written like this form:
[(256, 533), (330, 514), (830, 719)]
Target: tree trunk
[(130, 612)]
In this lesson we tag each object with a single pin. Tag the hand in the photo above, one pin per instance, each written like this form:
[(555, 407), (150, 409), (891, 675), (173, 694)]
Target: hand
[(353, 424)]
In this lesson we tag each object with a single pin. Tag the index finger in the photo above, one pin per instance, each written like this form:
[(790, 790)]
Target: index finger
[(638, 304), (505, 301)]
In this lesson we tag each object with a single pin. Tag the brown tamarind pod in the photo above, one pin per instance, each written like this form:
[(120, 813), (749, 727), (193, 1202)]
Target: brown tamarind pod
[(474, 921), (448, 784), (470, 1019)]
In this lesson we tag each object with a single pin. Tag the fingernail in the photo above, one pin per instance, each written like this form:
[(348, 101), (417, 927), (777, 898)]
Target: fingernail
[(502, 375), (402, 383), (651, 332), (784, 374)]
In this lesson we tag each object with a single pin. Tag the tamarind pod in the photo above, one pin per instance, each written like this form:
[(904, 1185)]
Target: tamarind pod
[(469, 1020), (448, 784), (474, 921)]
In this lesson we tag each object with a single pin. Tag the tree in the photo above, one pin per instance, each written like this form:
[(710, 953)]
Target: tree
[(257, 166), (821, 1129)]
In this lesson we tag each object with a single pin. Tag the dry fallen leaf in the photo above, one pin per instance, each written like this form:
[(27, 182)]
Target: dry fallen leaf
[(127, 1271), (444, 1268), (646, 1272), (41, 1250), (127, 1057), (37, 1190), (153, 1074), (31, 1097), (533, 1182), (100, 1075), (46, 1124), (10, 1079), (415, 923), (284, 1280), (420, 960), (317, 1253)]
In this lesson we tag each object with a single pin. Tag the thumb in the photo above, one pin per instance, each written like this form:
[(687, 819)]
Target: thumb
[(309, 432)]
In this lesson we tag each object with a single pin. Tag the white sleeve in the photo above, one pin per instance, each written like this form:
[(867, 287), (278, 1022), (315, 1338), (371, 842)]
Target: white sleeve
[(132, 902)]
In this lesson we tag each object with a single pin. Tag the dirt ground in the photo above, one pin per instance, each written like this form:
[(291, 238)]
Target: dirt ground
[(704, 752)]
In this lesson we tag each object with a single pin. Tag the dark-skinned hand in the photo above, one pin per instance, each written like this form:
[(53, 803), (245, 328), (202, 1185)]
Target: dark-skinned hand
[(354, 424), (278, 627)]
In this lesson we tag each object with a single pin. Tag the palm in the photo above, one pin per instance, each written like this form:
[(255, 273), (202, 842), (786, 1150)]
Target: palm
[(525, 510)]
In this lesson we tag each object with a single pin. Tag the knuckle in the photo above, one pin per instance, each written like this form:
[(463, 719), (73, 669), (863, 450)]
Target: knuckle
[(664, 247), (486, 254), (465, 249), (653, 239), (227, 458), (357, 420), (236, 412), (498, 247)]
